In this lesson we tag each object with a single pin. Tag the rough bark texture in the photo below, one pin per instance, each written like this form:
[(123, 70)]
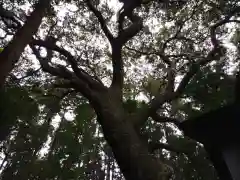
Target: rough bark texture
[(11, 54), (129, 150)]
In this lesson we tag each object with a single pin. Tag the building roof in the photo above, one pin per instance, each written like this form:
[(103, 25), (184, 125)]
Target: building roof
[(217, 127), (216, 130)]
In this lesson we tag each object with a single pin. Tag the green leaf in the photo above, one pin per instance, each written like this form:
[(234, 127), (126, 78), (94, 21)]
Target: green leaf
[(84, 113)]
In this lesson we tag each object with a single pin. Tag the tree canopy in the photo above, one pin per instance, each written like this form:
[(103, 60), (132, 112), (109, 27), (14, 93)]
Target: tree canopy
[(80, 99)]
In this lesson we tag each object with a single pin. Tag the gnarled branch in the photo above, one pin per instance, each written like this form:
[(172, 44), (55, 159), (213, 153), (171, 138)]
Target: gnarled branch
[(213, 28), (62, 72), (155, 146), (101, 20), (159, 100), (12, 52), (130, 32), (79, 72), (161, 119)]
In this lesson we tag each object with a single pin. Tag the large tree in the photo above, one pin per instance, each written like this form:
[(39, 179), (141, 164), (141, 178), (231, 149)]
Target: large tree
[(12, 52), (162, 58)]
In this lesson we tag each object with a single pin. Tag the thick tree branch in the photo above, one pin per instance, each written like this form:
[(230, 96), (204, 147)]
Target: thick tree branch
[(118, 71), (159, 100), (59, 71), (156, 117), (101, 20), (169, 96), (156, 146), (80, 73), (93, 69), (28, 74), (175, 37), (117, 61), (130, 32), (213, 28), (196, 66), (5, 14), (214, 54), (64, 73), (160, 54), (170, 77), (12, 52)]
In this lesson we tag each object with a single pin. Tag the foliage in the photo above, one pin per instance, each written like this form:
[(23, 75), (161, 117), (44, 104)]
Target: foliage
[(54, 99)]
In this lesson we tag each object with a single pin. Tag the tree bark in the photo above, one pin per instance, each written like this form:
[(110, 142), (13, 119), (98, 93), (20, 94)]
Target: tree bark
[(129, 150), (12, 52)]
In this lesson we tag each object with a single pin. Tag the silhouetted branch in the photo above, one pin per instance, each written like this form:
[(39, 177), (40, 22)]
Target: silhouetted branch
[(161, 119), (12, 52), (80, 73), (151, 52), (63, 72), (130, 32), (167, 96), (213, 28), (101, 21), (8, 15), (118, 71), (155, 146)]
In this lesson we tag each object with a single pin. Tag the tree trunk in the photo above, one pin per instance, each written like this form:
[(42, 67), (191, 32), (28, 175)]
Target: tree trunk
[(130, 152), (12, 52)]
